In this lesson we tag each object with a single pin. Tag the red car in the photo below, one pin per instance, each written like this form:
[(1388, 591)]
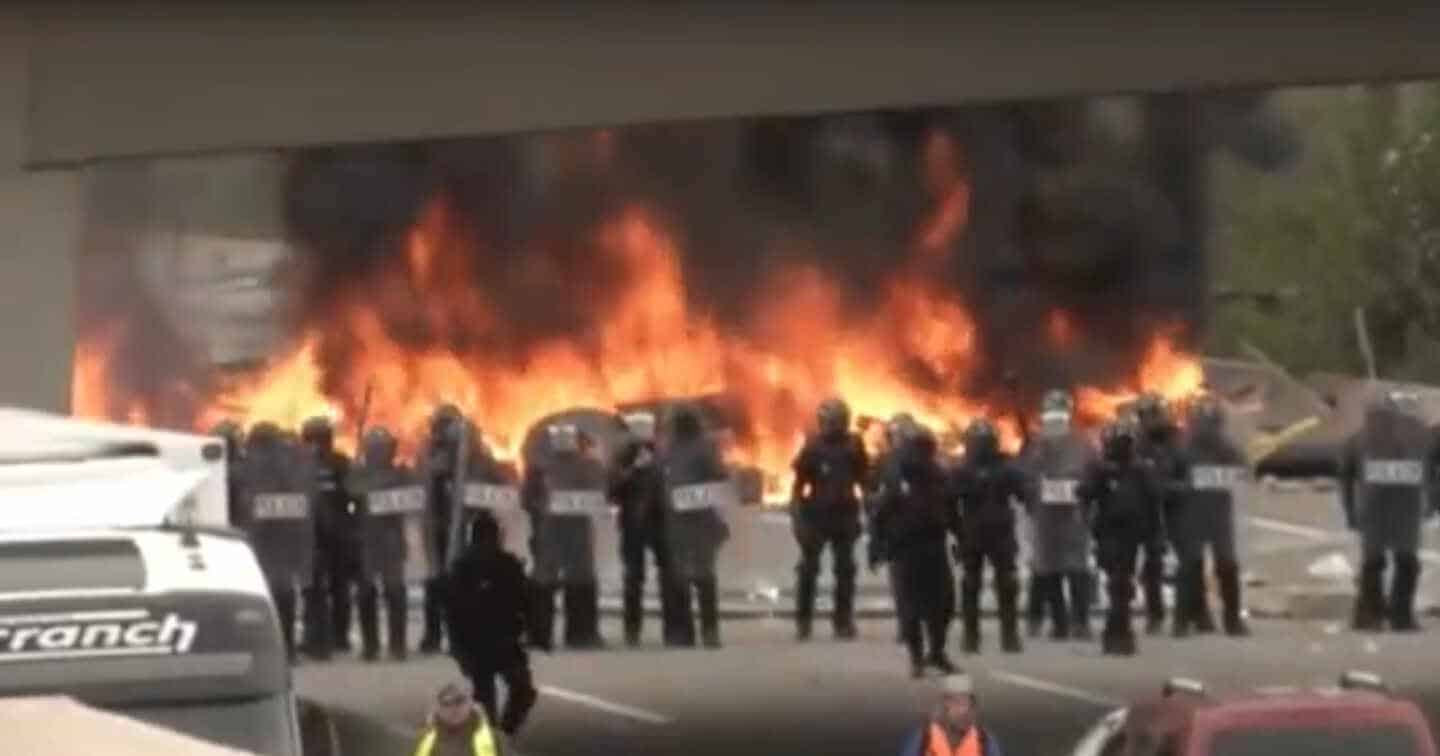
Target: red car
[(1360, 716)]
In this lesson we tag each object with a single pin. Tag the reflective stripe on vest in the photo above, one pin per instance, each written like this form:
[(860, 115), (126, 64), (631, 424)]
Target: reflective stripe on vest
[(482, 745), (940, 743)]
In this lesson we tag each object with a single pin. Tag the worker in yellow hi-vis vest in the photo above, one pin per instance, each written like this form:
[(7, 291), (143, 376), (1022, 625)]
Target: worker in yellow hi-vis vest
[(458, 727)]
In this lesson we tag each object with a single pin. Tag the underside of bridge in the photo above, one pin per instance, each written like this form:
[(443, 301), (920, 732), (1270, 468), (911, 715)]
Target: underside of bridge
[(89, 83)]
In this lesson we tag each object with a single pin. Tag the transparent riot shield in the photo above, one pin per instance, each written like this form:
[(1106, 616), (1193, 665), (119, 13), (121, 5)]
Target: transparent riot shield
[(502, 501), (400, 533), (701, 521), (282, 533), (566, 544)]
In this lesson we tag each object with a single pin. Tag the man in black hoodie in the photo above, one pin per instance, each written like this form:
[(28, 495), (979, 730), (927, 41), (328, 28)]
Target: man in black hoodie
[(486, 607)]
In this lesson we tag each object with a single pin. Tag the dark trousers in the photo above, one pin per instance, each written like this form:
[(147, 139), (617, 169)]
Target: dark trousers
[(1069, 614), (582, 615), (925, 592), (1118, 555), (634, 545), (519, 685), (999, 550), (390, 586), (842, 551), (282, 591), (1152, 578), (1372, 606), (329, 598)]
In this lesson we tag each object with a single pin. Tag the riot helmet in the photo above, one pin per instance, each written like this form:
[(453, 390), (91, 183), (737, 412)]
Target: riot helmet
[(443, 421), (379, 445), (1207, 416), (685, 423), (1151, 412), (982, 442), (563, 438), (264, 435), (1057, 411), (899, 428), (484, 531), (234, 437), (640, 425), (1117, 440), (319, 433), (833, 418)]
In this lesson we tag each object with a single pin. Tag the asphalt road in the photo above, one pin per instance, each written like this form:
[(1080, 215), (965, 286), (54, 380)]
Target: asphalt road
[(764, 694)]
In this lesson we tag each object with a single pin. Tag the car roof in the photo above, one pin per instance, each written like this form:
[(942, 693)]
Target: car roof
[(1170, 713)]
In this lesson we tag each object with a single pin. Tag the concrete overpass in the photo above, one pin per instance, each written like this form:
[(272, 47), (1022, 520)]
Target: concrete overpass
[(85, 83)]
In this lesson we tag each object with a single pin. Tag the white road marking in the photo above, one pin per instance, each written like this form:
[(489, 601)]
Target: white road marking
[(1428, 556), (1065, 691), (610, 707)]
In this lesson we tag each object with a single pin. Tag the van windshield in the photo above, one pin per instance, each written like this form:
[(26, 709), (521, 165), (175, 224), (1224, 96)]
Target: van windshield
[(259, 725), (1374, 740)]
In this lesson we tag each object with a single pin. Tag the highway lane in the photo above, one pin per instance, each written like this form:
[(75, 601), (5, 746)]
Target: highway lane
[(763, 694)]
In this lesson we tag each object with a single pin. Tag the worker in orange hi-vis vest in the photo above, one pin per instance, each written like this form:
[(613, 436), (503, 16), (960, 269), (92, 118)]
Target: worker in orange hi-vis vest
[(953, 727)]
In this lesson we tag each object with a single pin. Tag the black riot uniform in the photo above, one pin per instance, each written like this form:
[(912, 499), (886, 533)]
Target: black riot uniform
[(830, 471), (564, 492), (986, 487), (234, 437), (910, 521), (392, 512), (1384, 482), (1056, 460), (1122, 501), (897, 429), (698, 488), (486, 614), (1214, 470), (337, 543), (1158, 446), (273, 486), (440, 463), (637, 487)]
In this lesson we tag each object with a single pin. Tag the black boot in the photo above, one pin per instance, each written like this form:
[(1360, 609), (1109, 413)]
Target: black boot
[(707, 592), (1055, 601), (843, 618), (970, 614), (542, 624), (1186, 589), (1080, 584), (397, 620), (1369, 596), (1227, 574), (340, 616), (433, 636), (1034, 605), (582, 616), (1119, 636), (804, 603), (936, 627), (369, 606), (1007, 597), (1403, 585), (634, 610)]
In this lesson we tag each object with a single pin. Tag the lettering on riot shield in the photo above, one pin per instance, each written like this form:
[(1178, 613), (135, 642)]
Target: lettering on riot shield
[(1394, 472), (397, 501), (282, 506), (492, 497), (1216, 477), (1058, 491), (701, 496), (577, 503)]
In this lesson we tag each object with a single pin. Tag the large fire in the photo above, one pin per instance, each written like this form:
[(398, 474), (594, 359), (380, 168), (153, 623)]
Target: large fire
[(393, 346)]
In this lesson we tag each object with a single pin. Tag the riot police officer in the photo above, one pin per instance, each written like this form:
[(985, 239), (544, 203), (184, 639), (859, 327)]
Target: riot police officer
[(273, 486), (1056, 461), (897, 430), (830, 470), (1384, 482), (912, 499), (392, 507), (1123, 501), (1207, 516), (337, 542), (440, 461), (987, 486), (637, 486), (1158, 446), (564, 492), (700, 489)]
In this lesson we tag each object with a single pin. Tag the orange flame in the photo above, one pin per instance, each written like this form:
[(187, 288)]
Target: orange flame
[(647, 342)]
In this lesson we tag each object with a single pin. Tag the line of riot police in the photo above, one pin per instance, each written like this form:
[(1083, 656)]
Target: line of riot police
[(1148, 488), (328, 529)]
